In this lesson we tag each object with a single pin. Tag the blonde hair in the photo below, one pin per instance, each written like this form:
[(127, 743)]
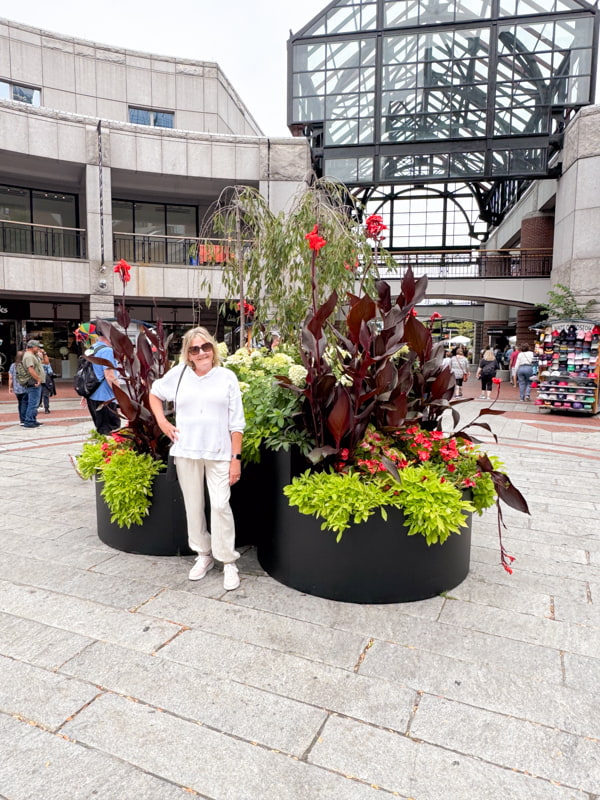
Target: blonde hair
[(489, 355), (189, 338)]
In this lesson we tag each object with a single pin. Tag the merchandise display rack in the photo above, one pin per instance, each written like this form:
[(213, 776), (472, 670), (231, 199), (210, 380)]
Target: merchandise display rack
[(568, 365)]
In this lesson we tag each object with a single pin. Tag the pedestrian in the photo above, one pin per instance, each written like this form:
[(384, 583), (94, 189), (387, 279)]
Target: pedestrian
[(486, 371), (16, 388), (459, 366), (101, 404), (511, 366), (524, 371), (48, 386), (207, 443), (33, 365)]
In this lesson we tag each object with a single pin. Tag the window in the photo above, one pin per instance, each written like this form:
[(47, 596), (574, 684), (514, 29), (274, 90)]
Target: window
[(147, 116), (23, 94)]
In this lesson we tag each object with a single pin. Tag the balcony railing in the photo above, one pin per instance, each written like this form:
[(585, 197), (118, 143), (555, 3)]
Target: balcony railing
[(513, 263), (155, 249), (27, 238)]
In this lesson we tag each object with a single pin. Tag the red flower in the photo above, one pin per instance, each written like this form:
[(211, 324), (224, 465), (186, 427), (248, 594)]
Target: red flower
[(344, 454), (451, 467), (374, 227), (435, 316), (413, 312), (123, 269), (315, 242), (469, 482), (497, 380), (424, 455)]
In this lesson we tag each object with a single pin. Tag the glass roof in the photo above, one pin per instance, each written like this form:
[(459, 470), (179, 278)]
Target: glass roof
[(421, 90)]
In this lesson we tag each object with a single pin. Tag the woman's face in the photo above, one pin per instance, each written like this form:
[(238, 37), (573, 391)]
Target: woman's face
[(200, 354)]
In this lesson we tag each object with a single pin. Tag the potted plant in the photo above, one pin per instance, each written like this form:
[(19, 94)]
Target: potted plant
[(381, 510), (138, 501)]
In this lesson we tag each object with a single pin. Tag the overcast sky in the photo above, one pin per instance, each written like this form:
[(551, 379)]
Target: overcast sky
[(247, 38)]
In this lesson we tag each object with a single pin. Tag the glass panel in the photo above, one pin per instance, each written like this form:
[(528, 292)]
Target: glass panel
[(149, 218), (344, 169), (473, 9), (25, 95), (341, 132), (343, 54), (163, 119), (401, 12), (367, 52), (14, 204), (436, 11), (343, 20), (139, 116), (309, 57), (122, 216), (306, 83), (365, 169), (181, 221), (308, 109), (368, 16), (464, 164), (4, 90), (55, 210)]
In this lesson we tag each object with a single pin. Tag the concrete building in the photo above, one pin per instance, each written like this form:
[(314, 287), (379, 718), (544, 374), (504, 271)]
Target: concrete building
[(107, 154)]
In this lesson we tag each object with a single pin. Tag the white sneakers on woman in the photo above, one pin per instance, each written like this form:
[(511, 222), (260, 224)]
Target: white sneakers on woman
[(203, 565)]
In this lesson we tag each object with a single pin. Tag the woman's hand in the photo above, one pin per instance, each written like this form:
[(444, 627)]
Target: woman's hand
[(235, 471), (170, 431)]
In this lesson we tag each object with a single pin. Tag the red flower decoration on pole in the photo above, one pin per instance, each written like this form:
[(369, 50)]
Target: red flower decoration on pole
[(123, 269)]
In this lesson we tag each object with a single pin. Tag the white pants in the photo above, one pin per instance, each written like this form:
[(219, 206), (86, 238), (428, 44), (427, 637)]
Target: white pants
[(191, 473)]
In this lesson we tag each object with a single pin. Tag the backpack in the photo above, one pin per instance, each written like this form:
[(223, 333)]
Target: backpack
[(22, 374), (489, 369), (86, 381)]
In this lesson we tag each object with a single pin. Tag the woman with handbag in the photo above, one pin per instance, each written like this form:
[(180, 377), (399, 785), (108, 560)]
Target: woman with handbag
[(485, 372), (524, 371), (459, 366), (207, 443)]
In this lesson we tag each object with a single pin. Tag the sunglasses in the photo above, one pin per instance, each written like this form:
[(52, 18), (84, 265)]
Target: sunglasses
[(203, 348)]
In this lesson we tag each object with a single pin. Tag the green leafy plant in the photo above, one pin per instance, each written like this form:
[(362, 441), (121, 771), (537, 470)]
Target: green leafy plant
[(562, 304), (126, 476)]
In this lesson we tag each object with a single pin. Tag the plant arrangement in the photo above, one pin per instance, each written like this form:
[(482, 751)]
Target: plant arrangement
[(372, 405), (127, 462)]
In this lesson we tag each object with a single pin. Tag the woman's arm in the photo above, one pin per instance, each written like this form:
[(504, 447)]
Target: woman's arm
[(235, 467), (156, 406)]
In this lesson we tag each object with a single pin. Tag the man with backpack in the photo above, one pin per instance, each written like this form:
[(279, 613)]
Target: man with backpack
[(34, 376), (101, 403)]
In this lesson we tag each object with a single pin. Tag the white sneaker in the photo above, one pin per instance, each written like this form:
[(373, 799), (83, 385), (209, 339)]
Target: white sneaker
[(231, 577), (203, 565)]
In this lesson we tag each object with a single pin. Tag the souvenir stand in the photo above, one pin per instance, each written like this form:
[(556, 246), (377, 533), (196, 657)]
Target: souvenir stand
[(568, 365)]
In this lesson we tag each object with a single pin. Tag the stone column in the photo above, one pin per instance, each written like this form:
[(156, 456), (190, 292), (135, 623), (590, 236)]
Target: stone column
[(284, 169), (577, 217), (98, 211)]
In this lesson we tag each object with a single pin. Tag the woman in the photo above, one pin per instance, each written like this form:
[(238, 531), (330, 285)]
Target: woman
[(15, 387), (207, 442), (459, 366), (48, 387), (486, 371), (524, 371)]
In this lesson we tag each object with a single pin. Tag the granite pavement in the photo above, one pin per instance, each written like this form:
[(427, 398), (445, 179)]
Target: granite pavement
[(122, 680)]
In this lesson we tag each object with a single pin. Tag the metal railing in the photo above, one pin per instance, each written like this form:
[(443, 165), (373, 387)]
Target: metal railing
[(513, 263), (442, 264), (156, 249), (27, 238)]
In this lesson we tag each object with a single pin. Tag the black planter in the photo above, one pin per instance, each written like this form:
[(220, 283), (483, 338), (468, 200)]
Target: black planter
[(164, 531), (375, 562), (253, 500)]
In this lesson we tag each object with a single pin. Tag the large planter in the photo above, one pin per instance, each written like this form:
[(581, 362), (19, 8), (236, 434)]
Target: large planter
[(164, 531), (375, 562)]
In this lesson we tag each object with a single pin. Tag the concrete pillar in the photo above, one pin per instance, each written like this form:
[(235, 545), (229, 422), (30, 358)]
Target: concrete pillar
[(576, 240), (98, 205)]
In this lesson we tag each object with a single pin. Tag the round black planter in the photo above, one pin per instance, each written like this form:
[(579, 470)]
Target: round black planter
[(375, 562), (164, 531)]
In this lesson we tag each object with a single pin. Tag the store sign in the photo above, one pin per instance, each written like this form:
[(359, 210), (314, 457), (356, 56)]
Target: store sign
[(13, 309)]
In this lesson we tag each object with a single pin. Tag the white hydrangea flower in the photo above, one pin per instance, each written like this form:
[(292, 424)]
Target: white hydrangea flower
[(244, 386), (281, 360), (222, 350), (297, 374), (255, 355)]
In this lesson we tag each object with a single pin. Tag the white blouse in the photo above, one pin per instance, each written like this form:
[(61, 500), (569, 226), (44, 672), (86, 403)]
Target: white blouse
[(208, 408)]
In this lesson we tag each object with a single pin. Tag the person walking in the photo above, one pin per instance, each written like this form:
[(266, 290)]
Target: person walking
[(48, 386), (459, 366), (101, 404), (524, 371), (33, 365), (14, 387), (511, 366), (485, 372), (207, 443)]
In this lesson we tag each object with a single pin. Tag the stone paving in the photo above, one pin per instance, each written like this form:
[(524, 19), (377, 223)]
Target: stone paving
[(121, 680)]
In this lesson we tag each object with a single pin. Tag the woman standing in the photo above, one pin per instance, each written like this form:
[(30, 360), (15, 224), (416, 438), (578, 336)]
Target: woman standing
[(524, 371), (15, 387), (207, 443), (486, 371)]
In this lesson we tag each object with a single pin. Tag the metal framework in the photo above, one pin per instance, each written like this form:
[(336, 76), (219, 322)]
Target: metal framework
[(398, 93)]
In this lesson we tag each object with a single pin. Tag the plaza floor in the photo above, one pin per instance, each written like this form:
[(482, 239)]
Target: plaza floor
[(121, 680)]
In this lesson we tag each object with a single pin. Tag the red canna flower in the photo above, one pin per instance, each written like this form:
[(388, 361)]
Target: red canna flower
[(315, 242), (413, 312), (434, 316), (497, 380), (123, 269), (374, 227)]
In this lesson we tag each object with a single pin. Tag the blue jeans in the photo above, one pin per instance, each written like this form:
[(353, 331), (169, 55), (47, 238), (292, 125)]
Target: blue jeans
[(523, 375), (22, 405), (33, 400)]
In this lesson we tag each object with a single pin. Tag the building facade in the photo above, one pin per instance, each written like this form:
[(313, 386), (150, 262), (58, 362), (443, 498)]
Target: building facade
[(107, 154)]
